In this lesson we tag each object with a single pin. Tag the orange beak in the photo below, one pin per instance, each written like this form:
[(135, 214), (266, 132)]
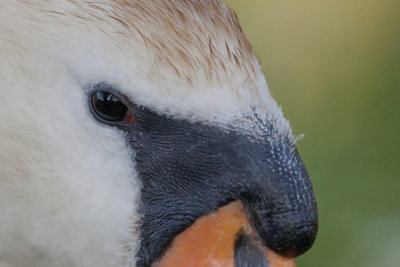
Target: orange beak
[(211, 241)]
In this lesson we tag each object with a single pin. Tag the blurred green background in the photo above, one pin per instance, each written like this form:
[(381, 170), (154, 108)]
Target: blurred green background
[(334, 66)]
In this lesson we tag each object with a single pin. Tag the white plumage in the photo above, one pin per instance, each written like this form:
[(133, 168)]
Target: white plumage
[(68, 189)]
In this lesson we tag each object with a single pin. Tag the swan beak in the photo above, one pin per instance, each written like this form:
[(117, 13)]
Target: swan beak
[(222, 239)]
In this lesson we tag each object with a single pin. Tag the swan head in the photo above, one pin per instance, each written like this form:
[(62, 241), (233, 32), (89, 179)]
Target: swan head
[(123, 122)]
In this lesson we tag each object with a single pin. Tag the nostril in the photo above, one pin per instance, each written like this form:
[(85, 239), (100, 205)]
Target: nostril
[(247, 253)]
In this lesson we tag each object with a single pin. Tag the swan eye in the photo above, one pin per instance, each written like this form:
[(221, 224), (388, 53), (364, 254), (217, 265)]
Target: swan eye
[(110, 108)]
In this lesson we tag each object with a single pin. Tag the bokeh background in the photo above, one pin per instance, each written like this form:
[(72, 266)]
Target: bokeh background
[(334, 66)]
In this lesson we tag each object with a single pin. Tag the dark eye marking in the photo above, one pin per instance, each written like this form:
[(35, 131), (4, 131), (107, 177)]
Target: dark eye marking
[(108, 107)]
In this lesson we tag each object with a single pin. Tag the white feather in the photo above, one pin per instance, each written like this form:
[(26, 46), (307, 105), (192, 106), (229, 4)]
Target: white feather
[(68, 186)]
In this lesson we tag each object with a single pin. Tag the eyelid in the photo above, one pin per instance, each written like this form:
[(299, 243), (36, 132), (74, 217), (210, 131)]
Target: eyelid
[(129, 118)]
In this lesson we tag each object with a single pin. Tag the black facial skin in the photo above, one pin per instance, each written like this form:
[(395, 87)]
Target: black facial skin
[(191, 169)]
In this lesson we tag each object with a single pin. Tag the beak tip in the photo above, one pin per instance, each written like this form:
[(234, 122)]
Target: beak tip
[(291, 244)]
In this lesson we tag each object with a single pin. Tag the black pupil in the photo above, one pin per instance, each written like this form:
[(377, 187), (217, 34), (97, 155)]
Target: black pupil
[(108, 106)]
